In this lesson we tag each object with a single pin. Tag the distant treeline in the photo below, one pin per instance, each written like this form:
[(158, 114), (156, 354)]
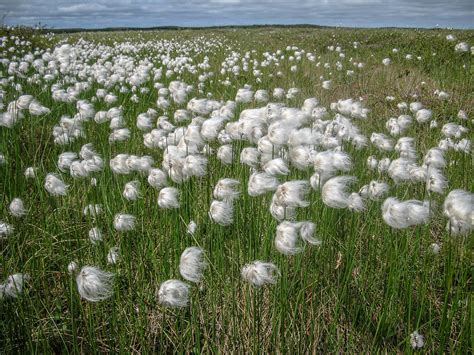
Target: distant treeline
[(175, 28)]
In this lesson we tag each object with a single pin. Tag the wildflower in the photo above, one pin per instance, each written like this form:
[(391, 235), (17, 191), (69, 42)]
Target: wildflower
[(113, 256), (124, 222), (226, 189), (250, 156), (191, 227), (259, 273), (260, 183), (275, 167), (417, 340), (458, 207), (221, 212), (291, 235), (173, 293), (72, 267), (92, 210), (224, 154), (30, 172), (131, 191), (93, 284), (402, 214), (156, 178), (13, 285), (17, 208), (168, 198), (192, 264), (95, 235), (334, 194), (292, 193), (5, 229), (54, 185)]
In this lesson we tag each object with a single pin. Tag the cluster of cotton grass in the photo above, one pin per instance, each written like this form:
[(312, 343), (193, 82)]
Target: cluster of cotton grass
[(188, 127)]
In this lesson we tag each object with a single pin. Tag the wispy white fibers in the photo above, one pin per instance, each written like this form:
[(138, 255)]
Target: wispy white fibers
[(417, 340), (260, 273), (95, 235), (191, 227), (93, 284), (224, 154), (17, 208), (276, 167), (226, 189), (92, 210), (292, 193), (13, 285), (131, 190), (260, 183), (173, 293), (157, 178), (168, 198), (192, 264), (329, 162), (334, 194), (290, 236), (221, 212), (113, 256), (402, 214), (54, 185), (5, 229), (250, 156), (124, 222), (459, 208)]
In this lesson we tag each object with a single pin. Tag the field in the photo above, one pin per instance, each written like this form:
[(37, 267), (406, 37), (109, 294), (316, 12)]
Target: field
[(151, 121)]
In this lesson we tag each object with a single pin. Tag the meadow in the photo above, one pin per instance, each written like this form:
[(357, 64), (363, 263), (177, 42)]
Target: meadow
[(236, 190)]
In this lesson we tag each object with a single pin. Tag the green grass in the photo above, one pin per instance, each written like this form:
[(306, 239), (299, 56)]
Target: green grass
[(364, 290)]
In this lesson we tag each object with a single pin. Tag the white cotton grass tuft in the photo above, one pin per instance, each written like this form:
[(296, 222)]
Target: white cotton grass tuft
[(124, 222), (260, 183), (260, 273), (403, 214), (95, 235), (157, 178), (131, 190), (174, 293), (192, 264), (226, 189), (113, 256), (13, 285), (93, 284), (54, 185), (459, 208), (5, 229), (168, 198), (17, 208), (222, 212), (30, 172), (335, 195), (276, 167), (72, 267), (92, 210), (417, 340), (292, 193), (290, 236), (191, 228)]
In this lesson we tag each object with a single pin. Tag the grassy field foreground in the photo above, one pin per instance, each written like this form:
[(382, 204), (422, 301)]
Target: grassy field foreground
[(366, 288)]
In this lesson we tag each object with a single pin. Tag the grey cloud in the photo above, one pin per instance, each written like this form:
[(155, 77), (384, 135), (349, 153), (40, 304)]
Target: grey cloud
[(143, 13)]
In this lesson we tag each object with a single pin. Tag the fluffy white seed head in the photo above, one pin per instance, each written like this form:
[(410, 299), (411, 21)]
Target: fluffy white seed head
[(403, 214), (113, 256), (221, 212), (95, 235), (292, 193), (260, 273), (131, 190), (124, 222), (93, 284), (17, 208), (54, 185), (173, 293), (192, 264), (226, 189), (168, 198), (260, 183)]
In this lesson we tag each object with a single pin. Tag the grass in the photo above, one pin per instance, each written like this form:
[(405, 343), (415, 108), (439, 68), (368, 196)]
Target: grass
[(364, 290)]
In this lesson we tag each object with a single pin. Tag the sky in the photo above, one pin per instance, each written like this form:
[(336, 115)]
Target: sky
[(150, 13)]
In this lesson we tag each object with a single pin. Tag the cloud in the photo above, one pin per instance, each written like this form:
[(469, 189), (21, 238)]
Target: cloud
[(82, 7), (147, 13)]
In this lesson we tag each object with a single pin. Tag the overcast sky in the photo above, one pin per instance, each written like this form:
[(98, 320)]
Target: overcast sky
[(148, 13)]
